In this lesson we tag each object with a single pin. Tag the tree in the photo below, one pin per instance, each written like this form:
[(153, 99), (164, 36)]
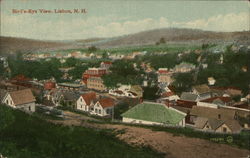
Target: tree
[(183, 81), (77, 72), (92, 49), (122, 72), (6, 118), (162, 40)]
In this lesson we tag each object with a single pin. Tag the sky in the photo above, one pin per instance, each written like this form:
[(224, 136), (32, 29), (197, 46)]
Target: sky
[(110, 18)]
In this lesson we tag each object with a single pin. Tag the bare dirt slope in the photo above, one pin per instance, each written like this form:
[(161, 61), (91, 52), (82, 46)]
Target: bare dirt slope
[(172, 146)]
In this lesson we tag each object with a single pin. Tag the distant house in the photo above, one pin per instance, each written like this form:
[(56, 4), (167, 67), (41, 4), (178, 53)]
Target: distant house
[(187, 96), (86, 101), (96, 83), (184, 67), (203, 91), (211, 81), (216, 125), (220, 101), (103, 107), (136, 89), (106, 64), (221, 114), (60, 97), (154, 114), (70, 86), (165, 76), (21, 99)]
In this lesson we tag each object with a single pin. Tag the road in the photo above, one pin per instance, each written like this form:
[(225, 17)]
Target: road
[(172, 146)]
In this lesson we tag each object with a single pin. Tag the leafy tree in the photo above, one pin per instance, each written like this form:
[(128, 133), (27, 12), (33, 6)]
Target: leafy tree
[(183, 81), (150, 93), (77, 72), (162, 40), (6, 118), (122, 72), (92, 49)]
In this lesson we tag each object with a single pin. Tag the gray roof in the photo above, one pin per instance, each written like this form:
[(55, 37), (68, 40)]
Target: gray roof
[(188, 96), (202, 88)]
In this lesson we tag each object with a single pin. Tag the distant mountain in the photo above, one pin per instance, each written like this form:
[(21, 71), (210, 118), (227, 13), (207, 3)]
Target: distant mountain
[(174, 35), (12, 45)]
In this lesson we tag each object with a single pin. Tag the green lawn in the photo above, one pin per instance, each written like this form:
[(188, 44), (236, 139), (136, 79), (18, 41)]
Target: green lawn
[(28, 136)]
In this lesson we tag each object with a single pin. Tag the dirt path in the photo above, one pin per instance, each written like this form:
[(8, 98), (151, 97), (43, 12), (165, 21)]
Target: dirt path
[(172, 146)]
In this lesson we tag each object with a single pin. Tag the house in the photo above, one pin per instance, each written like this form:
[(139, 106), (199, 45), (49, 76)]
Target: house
[(184, 67), (20, 99), (211, 81), (106, 64), (96, 83), (137, 90), (203, 91), (151, 113), (187, 96), (212, 113), (68, 98), (86, 101), (216, 125), (93, 72), (220, 101), (103, 107), (170, 96), (70, 86), (164, 76), (61, 97)]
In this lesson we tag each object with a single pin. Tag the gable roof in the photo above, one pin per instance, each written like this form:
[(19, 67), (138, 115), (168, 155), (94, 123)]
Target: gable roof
[(22, 96), (202, 88), (215, 123), (188, 96), (88, 97), (233, 125), (155, 112), (106, 102), (225, 114)]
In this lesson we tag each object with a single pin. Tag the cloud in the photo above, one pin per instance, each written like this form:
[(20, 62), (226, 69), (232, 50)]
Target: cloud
[(33, 26), (228, 22)]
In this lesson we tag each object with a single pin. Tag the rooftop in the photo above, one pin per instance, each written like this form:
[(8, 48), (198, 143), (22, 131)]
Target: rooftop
[(155, 112)]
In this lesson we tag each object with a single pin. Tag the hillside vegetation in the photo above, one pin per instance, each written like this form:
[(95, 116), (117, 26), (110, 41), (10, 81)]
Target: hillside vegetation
[(27, 136)]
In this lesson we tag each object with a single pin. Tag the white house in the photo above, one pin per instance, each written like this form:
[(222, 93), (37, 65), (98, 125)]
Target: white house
[(103, 107), (86, 101), (21, 99)]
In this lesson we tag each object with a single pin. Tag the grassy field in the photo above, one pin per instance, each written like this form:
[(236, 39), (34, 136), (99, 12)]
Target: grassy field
[(27, 136), (130, 49)]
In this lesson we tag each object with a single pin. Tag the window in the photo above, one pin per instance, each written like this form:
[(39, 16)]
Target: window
[(29, 108), (95, 110), (107, 111), (7, 102), (100, 111), (224, 129), (219, 116)]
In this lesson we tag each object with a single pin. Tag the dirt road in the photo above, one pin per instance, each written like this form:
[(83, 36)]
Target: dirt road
[(172, 146)]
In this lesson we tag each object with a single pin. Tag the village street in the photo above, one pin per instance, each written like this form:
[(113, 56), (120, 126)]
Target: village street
[(172, 146)]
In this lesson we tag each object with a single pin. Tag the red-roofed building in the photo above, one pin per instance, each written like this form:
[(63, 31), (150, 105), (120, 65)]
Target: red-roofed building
[(224, 101), (86, 101), (104, 107), (165, 76), (106, 64), (93, 72)]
